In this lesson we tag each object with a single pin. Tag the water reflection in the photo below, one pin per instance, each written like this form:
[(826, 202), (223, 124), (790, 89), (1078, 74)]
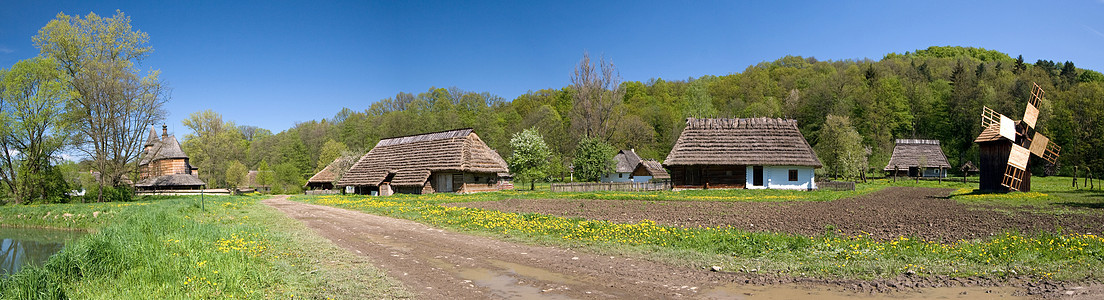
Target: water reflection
[(20, 247)]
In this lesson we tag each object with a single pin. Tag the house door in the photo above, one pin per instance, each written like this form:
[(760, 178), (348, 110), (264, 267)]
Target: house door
[(444, 183), (757, 176)]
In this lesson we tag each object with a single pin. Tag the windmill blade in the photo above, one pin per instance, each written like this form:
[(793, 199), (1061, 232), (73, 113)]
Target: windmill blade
[(1007, 127), (1013, 178), (1031, 114), (1016, 170), (989, 117), (1042, 147)]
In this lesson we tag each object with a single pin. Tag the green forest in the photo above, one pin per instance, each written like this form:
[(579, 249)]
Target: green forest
[(933, 93)]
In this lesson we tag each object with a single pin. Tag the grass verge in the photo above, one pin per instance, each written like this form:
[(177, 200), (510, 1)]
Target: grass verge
[(237, 248), (1056, 255)]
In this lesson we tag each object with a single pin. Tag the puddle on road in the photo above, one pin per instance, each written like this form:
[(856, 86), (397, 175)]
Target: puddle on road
[(535, 273), (504, 285), (791, 291)]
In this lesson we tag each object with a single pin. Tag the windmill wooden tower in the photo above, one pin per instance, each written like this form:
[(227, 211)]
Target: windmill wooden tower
[(1007, 145)]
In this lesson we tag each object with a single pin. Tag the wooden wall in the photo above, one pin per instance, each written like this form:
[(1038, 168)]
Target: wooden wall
[(714, 175), (994, 159)]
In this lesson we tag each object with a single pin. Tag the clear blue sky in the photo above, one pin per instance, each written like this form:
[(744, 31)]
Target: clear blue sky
[(274, 63)]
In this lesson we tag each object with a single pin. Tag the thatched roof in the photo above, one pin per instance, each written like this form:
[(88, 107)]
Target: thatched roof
[(173, 180), (626, 161), (911, 153), (969, 166), (164, 147), (411, 159), (654, 168), (757, 141), (327, 174)]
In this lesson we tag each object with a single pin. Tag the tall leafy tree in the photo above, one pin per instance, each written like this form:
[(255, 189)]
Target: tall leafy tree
[(113, 102), (212, 145), (598, 94), (840, 148), (530, 158), (331, 150), (32, 99), (593, 158)]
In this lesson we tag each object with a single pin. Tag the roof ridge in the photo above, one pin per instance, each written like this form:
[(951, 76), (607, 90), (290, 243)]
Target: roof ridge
[(734, 123), (429, 136)]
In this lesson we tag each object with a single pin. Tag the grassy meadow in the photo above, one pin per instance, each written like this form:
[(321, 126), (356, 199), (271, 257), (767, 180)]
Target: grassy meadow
[(171, 248), (831, 255)]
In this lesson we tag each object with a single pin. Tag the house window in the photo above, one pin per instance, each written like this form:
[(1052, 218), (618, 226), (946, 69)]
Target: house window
[(620, 175), (793, 175)]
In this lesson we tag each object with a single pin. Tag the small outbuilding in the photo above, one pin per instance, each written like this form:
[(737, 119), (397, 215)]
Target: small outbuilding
[(649, 169), (754, 153), (324, 179), (910, 156), (438, 162)]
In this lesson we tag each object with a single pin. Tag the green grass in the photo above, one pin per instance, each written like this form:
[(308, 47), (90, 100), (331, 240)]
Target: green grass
[(831, 255), (1048, 194), (170, 248)]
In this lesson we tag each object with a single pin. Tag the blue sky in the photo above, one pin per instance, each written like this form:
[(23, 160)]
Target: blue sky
[(274, 63)]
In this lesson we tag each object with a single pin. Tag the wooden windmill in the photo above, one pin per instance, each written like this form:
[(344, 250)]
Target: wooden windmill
[(1007, 145)]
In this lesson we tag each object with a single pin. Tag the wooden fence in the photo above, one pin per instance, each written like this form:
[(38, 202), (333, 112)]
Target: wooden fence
[(611, 186), (836, 185)]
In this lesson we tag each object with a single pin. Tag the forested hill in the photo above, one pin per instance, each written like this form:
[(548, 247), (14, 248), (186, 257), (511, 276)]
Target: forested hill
[(936, 93)]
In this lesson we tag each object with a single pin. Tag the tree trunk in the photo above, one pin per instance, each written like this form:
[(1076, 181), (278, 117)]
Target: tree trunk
[(533, 185)]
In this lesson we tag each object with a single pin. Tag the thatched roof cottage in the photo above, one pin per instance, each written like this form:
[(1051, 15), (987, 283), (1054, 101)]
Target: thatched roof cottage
[(164, 166), (909, 156), (324, 179), (628, 162), (751, 153), (649, 169), (446, 161)]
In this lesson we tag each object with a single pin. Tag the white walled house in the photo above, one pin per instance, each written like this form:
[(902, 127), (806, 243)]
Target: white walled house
[(754, 153), (627, 160), (780, 177)]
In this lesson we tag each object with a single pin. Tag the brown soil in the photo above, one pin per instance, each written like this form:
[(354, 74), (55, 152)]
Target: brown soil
[(438, 264), (887, 214)]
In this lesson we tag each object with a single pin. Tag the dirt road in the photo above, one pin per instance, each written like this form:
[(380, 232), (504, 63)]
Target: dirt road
[(438, 264)]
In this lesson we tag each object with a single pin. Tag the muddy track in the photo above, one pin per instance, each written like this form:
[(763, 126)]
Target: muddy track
[(439, 264), (886, 214)]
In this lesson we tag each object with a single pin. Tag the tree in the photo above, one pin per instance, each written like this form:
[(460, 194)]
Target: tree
[(331, 150), (265, 178), (839, 147), (593, 158), (212, 145), (530, 156), (112, 104), (598, 95), (32, 99), (236, 174)]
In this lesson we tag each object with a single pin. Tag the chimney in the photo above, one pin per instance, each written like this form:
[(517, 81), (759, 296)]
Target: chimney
[(164, 131)]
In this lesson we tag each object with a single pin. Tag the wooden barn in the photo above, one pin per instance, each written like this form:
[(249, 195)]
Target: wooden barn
[(164, 166), (439, 162), (324, 179), (910, 156), (649, 169), (754, 153), (995, 150)]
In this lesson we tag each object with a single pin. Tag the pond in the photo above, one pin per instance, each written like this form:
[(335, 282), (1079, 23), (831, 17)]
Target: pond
[(21, 247)]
